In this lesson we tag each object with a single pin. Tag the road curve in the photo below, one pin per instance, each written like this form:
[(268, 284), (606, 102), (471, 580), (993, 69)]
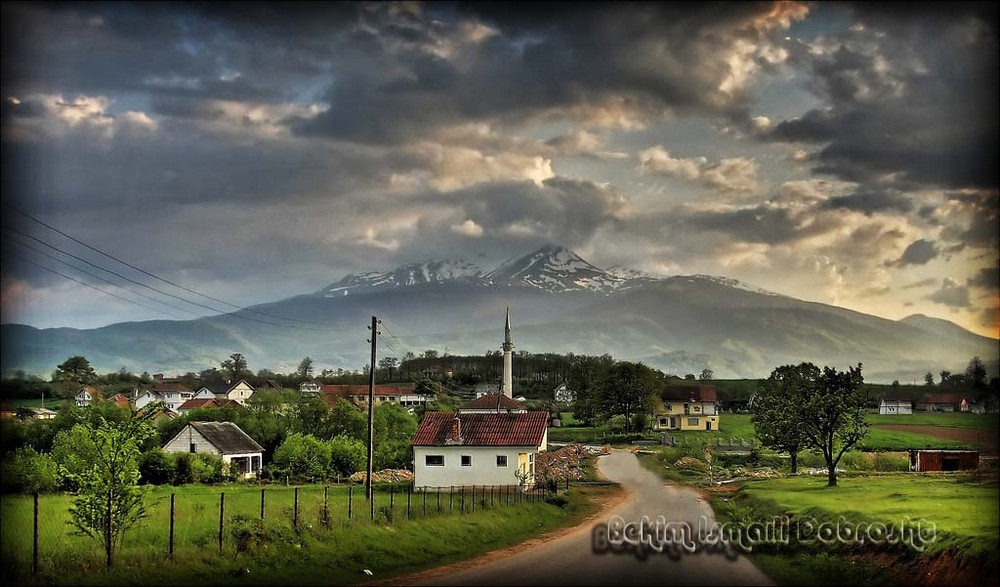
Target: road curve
[(581, 557)]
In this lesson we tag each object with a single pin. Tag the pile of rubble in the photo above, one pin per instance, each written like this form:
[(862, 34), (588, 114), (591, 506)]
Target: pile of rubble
[(384, 476), (756, 473), (687, 462), (563, 463)]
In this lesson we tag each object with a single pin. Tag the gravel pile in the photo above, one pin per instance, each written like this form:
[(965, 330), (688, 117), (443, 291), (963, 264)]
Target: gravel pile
[(384, 476)]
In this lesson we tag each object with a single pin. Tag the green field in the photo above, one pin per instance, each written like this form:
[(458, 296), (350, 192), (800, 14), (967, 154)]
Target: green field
[(962, 508), (738, 427), (273, 552)]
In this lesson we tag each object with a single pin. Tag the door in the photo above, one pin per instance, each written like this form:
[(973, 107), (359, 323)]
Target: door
[(708, 425)]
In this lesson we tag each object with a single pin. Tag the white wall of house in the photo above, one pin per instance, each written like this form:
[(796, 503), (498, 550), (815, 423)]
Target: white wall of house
[(482, 469), (190, 440), (240, 392), (83, 399), (204, 393), (145, 398), (895, 407)]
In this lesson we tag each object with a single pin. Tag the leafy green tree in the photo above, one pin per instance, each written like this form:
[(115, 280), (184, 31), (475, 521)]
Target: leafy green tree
[(975, 373), (707, 374), (775, 410), (345, 418), (827, 408), (108, 500), (627, 390), (75, 370), (585, 377), (29, 471), (155, 468), (388, 364), (302, 456), (929, 379), (347, 455), (305, 368), (235, 367)]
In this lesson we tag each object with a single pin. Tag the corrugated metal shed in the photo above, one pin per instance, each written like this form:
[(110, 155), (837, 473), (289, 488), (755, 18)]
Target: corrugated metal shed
[(943, 460)]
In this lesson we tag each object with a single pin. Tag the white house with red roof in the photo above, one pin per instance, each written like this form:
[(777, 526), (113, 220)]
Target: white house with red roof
[(474, 448)]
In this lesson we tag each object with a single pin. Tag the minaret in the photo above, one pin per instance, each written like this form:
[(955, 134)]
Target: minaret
[(508, 348)]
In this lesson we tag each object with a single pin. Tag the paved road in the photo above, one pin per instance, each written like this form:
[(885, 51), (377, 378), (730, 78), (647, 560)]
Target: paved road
[(573, 558)]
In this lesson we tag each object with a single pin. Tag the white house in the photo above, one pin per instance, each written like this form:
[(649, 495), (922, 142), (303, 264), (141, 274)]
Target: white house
[(452, 449), (563, 394), (225, 439), (87, 396), (171, 394), (239, 392), (492, 403), (895, 406), (311, 387)]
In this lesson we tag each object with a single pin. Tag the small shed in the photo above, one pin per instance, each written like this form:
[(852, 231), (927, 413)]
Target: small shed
[(943, 460)]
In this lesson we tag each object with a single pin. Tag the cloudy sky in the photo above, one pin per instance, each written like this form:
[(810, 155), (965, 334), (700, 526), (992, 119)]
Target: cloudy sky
[(831, 152)]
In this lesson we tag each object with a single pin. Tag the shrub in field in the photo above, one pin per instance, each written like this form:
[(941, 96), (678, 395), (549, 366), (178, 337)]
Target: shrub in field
[(155, 468), (208, 468), (347, 455), (884, 461), (182, 465), (28, 471), (857, 461)]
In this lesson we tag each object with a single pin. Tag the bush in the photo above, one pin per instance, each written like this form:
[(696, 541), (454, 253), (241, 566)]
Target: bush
[(183, 469), (156, 468), (347, 455), (884, 461), (28, 471), (557, 500)]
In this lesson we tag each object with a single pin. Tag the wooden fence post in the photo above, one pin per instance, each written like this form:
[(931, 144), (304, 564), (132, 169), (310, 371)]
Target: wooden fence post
[(34, 541), (172, 496), (451, 498), (261, 503), (295, 510), (409, 492), (463, 499), (350, 501), (222, 517), (473, 497), (326, 510), (391, 499)]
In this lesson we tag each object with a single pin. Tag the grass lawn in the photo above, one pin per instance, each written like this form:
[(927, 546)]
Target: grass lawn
[(962, 507), (272, 552), (739, 427)]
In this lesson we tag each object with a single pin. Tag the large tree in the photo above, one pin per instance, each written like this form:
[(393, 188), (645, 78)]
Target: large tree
[(585, 377), (827, 409), (975, 373), (627, 390), (235, 367), (305, 368), (775, 408)]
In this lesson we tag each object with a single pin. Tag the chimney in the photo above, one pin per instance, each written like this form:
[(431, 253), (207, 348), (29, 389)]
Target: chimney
[(158, 377), (455, 435)]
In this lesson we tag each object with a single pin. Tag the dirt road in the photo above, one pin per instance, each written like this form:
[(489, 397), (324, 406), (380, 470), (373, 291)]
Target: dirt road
[(585, 556)]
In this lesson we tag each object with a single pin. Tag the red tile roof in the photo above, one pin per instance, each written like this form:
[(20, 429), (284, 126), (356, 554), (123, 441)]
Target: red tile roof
[(489, 429), (334, 392), (940, 398), (695, 393), (121, 400), (493, 401), (169, 387)]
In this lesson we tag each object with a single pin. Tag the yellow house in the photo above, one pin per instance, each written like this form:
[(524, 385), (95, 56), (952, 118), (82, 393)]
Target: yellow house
[(687, 407)]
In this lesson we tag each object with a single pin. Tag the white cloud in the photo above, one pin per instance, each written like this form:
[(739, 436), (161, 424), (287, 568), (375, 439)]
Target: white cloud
[(737, 174), (467, 228)]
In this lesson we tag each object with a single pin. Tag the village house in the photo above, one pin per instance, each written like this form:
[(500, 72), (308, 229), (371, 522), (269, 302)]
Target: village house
[(451, 450), (172, 395), (687, 407), (239, 392), (563, 394), (87, 396), (36, 413), (240, 453), (496, 403), (938, 402), (358, 394), (895, 406)]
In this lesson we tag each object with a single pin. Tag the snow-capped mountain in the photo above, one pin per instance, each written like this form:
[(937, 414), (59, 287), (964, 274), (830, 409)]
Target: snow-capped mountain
[(555, 269), (412, 274)]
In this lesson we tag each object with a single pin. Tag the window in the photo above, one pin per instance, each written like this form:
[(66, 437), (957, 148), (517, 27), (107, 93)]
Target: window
[(697, 408), (434, 460), (501, 460), (466, 460), (663, 421), (194, 447), (692, 421)]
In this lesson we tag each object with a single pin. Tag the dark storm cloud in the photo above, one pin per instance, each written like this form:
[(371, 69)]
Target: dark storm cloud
[(919, 252), (988, 278), (870, 201), (906, 94), (653, 58), (951, 294)]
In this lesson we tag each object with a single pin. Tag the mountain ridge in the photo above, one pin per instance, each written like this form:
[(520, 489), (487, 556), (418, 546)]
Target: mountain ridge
[(559, 303)]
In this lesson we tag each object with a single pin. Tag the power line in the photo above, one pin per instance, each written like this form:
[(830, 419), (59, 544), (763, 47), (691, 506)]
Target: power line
[(94, 287), (154, 276), (159, 291), (98, 277)]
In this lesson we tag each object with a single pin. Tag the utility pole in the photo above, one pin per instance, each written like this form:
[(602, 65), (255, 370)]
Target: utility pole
[(371, 416)]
